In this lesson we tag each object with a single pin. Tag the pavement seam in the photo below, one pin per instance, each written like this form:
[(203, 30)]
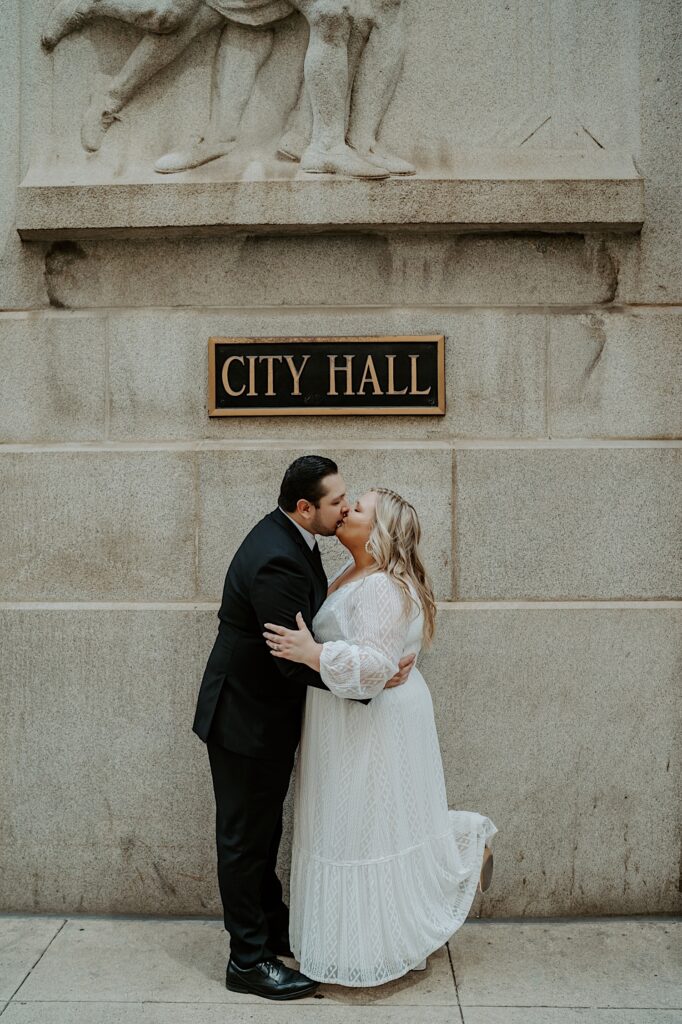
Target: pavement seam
[(32, 969), (564, 1006), (454, 981), (228, 1006), (363, 1007)]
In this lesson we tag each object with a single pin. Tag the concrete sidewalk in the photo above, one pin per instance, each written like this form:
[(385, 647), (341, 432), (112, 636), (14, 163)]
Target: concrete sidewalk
[(114, 970)]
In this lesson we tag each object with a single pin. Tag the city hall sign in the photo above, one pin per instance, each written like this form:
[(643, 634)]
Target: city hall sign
[(327, 376)]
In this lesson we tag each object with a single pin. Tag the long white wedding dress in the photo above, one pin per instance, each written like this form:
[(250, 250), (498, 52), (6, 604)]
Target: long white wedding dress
[(382, 872)]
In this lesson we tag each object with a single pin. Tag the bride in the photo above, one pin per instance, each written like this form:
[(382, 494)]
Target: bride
[(382, 872)]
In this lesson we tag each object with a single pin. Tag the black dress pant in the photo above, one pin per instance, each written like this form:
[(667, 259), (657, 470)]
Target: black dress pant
[(249, 794)]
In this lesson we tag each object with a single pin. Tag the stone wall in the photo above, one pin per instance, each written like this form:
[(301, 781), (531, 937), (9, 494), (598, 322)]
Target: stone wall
[(550, 492)]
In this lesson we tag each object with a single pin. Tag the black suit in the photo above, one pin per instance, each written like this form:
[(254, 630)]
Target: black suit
[(249, 714)]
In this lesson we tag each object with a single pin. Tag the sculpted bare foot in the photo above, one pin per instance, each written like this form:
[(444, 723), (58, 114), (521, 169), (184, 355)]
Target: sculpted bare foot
[(342, 160), (102, 111), (67, 17), (200, 152), (391, 163)]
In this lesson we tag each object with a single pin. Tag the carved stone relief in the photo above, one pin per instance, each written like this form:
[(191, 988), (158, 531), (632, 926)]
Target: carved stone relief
[(514, 116), (352, 65)]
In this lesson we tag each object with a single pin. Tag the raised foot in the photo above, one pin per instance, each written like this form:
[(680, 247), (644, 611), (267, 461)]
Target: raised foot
[(340, 161), (102, 111), (486, 876), (67, 17), (200, 152)]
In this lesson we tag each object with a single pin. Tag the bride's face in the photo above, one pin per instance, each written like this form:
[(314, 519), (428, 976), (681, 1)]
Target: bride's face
[(356, 527)]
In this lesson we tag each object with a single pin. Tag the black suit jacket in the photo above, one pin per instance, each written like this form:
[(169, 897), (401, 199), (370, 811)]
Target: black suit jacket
[(251, 702)]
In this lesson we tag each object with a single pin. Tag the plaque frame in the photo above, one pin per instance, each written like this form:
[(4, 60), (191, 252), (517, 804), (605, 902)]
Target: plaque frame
[(435, 410)]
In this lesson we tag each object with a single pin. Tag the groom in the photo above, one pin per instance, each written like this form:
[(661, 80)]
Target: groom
[(249, 713)]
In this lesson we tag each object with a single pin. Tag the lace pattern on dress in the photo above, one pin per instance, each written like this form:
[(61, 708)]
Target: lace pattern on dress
[(375, 618)]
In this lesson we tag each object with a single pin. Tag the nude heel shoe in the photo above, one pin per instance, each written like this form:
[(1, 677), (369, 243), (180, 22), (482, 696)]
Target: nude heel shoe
[(486, 871)]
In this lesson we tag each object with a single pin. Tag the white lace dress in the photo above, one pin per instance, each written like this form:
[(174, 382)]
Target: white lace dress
[(382, 872)]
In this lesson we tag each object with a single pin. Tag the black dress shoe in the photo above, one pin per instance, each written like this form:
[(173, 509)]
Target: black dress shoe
[(270, 979)]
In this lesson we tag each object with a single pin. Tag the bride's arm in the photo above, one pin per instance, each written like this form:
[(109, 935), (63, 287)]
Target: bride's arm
[(376, 626), (359, 668)]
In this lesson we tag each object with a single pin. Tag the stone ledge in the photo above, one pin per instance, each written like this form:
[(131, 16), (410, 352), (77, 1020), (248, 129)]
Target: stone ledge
[(47, 211)]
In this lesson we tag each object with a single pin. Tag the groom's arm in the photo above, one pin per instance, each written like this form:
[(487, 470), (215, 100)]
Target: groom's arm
[(279, 590)]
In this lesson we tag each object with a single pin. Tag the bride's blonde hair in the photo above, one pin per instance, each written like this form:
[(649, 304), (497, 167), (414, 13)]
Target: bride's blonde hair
[(394, 545)]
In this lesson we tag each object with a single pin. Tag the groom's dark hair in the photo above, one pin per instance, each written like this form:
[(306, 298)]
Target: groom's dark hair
[(303, 479)]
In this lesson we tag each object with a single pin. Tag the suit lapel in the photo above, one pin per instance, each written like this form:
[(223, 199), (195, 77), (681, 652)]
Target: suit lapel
[(315, 563)]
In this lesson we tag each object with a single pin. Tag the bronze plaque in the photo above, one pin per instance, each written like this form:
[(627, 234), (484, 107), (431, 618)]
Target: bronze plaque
[(327, 376)]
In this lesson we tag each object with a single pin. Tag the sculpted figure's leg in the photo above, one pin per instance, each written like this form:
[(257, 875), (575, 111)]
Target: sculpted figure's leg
[(151, 54), (241, 54), (327, 81), (374, 85), (298, 129), (299, 126), (150, 15), (358, 41)]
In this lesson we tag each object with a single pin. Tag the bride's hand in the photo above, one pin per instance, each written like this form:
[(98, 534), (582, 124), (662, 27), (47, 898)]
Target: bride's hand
[(293, 644)]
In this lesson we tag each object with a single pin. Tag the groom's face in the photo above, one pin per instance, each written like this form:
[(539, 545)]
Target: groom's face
[(332, 507)]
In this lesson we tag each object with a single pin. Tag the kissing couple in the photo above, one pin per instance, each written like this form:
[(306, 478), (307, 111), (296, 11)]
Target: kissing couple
[(382, 873)]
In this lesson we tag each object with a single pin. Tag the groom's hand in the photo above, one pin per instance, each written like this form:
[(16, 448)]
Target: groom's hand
[(294, 644), (404, 668)]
